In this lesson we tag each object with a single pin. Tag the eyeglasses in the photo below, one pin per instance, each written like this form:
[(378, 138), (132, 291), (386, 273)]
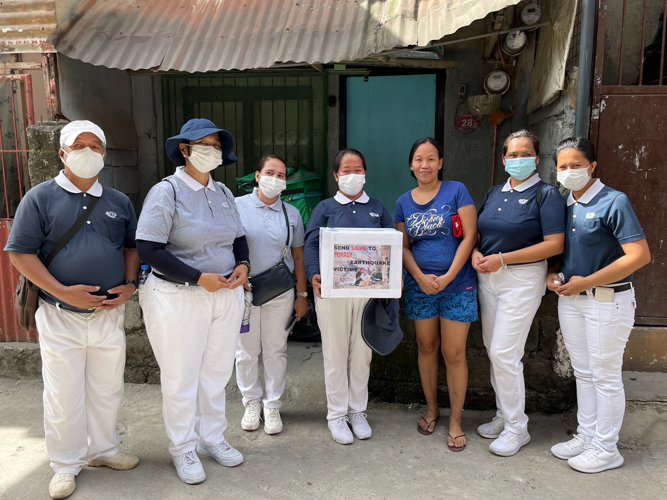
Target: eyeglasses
[(201, 143)]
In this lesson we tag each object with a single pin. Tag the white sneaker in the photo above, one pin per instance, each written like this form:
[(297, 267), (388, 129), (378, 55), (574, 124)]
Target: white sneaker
[(224, 453), (251, 417), (273, 424), (509, 443), (62, 485), (492, 430), (595, 459), (569, 449), (360, 426), (340, 431), (189, 468)]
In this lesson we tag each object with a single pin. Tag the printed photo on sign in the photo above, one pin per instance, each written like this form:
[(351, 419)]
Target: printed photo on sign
[(361, 267)]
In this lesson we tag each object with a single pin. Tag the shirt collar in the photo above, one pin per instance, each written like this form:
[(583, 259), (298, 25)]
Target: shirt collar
[(588, 196), (192, 183), (62, 180), (344, 200), (523, 186), (260, 204)]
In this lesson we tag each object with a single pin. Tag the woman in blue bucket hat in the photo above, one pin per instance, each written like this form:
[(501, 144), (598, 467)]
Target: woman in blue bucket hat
[(190, 233)]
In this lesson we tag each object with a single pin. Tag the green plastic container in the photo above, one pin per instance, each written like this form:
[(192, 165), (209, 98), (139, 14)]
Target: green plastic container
[(304, 189)]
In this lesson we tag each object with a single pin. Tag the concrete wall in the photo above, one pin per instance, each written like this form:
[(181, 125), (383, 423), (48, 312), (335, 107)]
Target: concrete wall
[(105, 97)]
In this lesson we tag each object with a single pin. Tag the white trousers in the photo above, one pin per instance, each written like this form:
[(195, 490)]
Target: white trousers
[(83, 359), (267, 336), (595, 334), (347, 358), (194, 335), (509, 299)]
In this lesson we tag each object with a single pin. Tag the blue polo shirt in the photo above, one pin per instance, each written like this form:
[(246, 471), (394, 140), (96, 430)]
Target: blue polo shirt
[(597, 225), (95, 254), (340, 211), (429, 227), (509, 218)]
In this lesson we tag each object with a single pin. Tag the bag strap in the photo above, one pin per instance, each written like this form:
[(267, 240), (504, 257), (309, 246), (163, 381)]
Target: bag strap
[(287, 223), (66, 238)]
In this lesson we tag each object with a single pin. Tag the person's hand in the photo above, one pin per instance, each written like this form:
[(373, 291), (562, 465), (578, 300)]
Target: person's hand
[(428, 283), (476, 258), (212, 282), (490, 264), (300, 307), (124, 292), (317, 285), (553, 281), (443, 281), (81, 296), (239, 277), (575, 286)]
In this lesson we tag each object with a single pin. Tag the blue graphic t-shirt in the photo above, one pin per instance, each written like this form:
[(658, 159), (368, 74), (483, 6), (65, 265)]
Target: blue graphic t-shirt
[(430, 230)]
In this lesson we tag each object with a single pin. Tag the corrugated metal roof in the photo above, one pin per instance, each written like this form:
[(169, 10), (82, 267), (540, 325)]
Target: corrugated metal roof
[(212, 35), (25, 26)]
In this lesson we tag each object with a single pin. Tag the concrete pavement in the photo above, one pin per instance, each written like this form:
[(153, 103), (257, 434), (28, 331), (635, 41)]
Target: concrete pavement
[(304, 462)]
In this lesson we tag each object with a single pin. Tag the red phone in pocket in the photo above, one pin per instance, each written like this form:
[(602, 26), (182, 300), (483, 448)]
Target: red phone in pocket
[(457, 227)]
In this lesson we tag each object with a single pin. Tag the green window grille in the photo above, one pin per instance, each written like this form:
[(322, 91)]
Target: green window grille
[(279, 113)]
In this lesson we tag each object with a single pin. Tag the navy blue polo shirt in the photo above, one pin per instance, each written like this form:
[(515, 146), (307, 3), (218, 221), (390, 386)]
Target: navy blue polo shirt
[(340, 211), (509, 218), (598, 224), (94, 256)]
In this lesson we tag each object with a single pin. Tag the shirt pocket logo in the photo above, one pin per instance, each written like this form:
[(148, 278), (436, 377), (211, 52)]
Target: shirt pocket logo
[(373, 214), (590, 215), (523, 201), (111, 215)]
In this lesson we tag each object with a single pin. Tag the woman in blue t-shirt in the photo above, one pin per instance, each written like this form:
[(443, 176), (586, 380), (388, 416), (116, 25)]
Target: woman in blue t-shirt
[(605, 246), (521, 224), (440, 288)]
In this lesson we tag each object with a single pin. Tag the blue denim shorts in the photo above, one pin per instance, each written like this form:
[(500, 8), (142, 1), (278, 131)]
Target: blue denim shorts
[(460, 307)]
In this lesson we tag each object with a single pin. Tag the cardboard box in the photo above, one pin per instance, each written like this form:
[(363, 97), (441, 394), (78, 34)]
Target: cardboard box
[(362, 263)]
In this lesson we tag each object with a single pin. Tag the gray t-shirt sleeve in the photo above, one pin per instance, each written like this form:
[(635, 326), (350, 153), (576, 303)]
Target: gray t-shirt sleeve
[(299, 230), (157, 214), (237, 217), (27, 234)]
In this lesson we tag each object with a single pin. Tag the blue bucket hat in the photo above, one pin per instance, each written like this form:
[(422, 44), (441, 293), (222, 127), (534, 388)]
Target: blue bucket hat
[(380, 327), (196, 129)]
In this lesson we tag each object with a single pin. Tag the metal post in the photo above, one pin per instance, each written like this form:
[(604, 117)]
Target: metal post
[(585, 67)]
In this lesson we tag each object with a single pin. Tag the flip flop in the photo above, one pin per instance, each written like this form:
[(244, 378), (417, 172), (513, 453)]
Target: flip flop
[(426, 432), (454, 448)]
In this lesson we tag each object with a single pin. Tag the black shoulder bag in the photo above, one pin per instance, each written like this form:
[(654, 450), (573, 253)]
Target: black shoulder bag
[(27, 293), (275, 281)]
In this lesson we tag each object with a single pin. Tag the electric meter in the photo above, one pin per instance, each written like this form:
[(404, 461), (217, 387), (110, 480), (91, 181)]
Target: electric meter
[(514, 43), (497, 82), (531, 14)]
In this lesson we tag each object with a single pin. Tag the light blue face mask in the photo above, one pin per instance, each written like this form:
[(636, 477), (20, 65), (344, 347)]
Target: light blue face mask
[(521, 168)]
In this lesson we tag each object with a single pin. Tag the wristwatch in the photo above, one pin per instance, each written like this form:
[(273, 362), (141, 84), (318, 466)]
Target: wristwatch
[(302, 294), (245, 263), (134, 282)]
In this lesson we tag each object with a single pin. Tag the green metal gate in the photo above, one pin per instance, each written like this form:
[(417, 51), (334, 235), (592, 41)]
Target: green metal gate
[(279, 113)]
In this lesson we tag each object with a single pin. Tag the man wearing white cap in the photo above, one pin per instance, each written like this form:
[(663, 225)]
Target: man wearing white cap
[(81, 303)]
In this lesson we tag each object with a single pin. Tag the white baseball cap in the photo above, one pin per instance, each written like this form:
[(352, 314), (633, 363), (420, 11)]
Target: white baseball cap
[(74, 129)]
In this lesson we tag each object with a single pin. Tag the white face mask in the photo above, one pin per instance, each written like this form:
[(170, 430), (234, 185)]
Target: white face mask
[(271, 186), (574, 179), (84, 163), (351, 184), (205, 158)]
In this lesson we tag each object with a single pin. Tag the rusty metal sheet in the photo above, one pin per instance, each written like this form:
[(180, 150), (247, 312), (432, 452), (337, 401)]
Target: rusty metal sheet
[(632, 153), (10, 330), (25, 26), (213, 35)]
